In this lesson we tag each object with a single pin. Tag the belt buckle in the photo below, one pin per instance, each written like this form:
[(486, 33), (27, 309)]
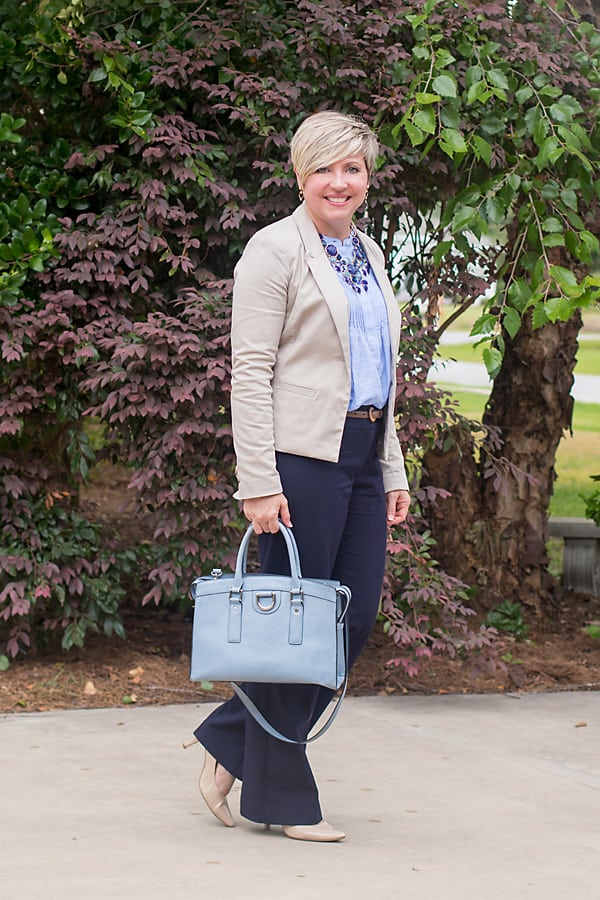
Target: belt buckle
[(372, 416)]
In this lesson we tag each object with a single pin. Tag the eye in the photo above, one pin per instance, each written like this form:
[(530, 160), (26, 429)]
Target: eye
[(322, 170), (353, 170)]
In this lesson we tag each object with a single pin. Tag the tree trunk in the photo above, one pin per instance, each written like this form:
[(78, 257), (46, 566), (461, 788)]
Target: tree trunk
[(498, 512)]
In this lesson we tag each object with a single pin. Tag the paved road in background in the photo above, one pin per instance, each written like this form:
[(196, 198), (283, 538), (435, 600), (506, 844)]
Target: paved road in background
[(473, 375)]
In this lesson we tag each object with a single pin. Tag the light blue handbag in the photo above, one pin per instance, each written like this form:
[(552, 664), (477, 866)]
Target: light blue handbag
[(270, 628)]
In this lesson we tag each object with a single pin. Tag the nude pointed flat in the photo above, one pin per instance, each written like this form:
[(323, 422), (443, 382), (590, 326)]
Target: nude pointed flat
[(212, 796), (322, 832)]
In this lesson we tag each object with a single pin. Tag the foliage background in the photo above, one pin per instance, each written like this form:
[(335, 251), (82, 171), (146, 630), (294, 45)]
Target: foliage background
[(142, 144)]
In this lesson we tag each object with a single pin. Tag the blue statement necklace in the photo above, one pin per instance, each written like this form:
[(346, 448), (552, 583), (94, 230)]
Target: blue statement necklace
[(355, 270)]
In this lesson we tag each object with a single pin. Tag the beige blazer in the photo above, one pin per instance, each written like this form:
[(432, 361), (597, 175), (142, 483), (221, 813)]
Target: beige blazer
[(291, 355)]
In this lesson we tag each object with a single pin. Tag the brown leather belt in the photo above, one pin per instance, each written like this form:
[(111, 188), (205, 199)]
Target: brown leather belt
[(371, 413)]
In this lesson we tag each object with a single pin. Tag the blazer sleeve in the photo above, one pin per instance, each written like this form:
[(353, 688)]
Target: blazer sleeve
[(393, 467), (260, 290)]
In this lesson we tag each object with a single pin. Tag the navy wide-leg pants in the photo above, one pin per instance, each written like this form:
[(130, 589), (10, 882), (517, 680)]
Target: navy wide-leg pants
[(339, 520)]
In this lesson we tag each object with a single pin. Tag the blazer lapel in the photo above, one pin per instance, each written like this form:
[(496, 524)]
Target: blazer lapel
[(326, 278)]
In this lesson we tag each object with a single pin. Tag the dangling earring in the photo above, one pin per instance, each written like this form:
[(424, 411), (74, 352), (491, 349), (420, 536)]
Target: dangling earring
[(301, 195), (366, 197)]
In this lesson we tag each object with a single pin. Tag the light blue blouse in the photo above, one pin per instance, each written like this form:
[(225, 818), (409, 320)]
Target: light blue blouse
[(370, 350)]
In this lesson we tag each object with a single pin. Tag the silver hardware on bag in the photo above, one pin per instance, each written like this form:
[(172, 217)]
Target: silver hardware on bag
[(216, 573), (261, 595)]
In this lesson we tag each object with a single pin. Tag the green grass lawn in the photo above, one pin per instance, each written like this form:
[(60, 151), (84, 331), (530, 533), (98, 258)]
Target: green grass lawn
[(578, 456)]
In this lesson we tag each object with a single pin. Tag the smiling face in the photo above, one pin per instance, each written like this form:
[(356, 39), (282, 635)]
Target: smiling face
[(333, 194)]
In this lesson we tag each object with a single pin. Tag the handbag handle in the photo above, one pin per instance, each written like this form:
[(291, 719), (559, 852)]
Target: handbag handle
[(266, 725), (242, 558)]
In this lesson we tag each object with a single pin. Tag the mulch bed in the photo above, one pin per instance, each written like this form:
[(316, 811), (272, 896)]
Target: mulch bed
[(151, 667)]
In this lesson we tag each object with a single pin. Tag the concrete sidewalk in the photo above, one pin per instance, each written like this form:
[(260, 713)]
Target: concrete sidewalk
[(454, 797)]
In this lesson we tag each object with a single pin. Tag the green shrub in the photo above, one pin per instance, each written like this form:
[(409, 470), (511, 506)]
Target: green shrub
[(507, 618), (57, 574), (592, 503)]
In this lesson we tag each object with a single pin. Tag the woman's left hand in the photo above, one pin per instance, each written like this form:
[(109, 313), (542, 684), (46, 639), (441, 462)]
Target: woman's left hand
[(397, 503)]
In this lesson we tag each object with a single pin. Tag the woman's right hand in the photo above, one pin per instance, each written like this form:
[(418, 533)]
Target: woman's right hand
[(265, 512)]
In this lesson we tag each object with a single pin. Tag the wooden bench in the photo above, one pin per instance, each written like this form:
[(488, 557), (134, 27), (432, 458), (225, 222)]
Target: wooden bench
[(581, 555)]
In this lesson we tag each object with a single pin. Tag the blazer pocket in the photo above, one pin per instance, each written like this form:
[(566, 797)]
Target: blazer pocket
[(295, 389)]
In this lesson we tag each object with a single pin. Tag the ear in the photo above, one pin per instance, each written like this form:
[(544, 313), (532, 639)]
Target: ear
[(298, 182)]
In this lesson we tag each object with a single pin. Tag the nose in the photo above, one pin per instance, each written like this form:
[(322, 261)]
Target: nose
[(338, 178)]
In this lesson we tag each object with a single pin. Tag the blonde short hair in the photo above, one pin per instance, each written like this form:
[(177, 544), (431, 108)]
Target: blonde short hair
[(327, 137)]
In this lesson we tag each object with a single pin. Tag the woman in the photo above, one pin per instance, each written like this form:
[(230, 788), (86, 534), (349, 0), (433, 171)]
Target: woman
[(315, 332)]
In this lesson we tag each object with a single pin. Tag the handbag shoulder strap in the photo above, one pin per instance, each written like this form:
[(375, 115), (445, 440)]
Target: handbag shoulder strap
[(258, 716), (266, 725)]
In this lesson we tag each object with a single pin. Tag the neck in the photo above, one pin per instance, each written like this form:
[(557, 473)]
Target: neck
[(340, 233), (341, 230)]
